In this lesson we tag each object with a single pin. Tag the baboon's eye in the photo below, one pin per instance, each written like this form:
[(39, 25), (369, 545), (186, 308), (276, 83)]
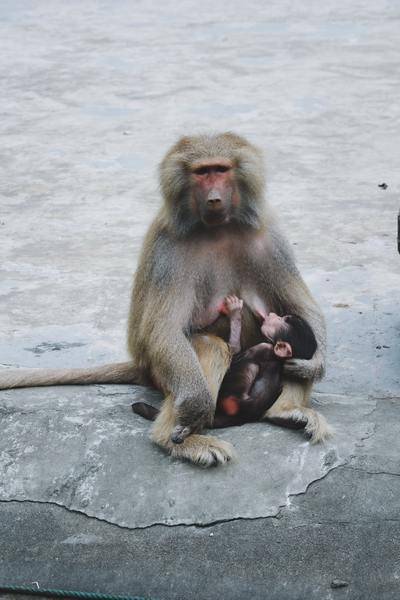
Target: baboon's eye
[(205, 169), (201, 170)]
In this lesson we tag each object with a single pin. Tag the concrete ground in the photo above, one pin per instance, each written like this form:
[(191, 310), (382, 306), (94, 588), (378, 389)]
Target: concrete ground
[(93, 93)]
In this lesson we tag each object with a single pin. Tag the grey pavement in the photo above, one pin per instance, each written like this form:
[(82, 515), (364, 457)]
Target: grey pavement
[(92, 95)]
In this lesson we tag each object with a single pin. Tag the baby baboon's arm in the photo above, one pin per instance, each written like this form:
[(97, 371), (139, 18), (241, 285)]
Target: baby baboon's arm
[(232, 307)]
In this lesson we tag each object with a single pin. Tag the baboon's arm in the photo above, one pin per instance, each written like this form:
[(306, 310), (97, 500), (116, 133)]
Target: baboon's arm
[(304, 305), (290, 295), (163, 302)]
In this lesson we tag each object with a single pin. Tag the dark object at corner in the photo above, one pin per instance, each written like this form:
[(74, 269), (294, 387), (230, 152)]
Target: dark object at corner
[(398, 231)]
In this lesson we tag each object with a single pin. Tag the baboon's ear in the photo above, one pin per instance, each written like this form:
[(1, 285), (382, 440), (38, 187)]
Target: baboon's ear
[(283, 349)]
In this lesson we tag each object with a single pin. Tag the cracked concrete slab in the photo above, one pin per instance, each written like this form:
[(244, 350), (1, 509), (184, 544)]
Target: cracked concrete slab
[(345, 527), (83, 448)]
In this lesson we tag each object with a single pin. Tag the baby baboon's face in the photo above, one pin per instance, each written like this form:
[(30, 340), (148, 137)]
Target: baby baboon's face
[(273, 326)]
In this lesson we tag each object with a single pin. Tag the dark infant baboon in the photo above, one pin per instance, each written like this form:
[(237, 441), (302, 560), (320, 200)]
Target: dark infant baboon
[(213, 236)]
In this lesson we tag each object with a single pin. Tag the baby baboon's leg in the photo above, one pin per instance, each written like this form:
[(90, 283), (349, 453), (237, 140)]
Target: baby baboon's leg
[(214, 357)]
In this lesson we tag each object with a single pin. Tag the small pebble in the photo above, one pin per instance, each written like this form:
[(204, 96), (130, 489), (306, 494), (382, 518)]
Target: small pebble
[(338, 583)]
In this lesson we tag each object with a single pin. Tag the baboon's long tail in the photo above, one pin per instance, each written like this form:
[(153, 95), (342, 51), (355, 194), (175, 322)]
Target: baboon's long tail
[(124, 372)]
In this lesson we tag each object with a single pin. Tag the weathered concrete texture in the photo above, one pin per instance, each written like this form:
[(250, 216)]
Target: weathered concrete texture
[(93, 94), (88, 452), (346, 527)]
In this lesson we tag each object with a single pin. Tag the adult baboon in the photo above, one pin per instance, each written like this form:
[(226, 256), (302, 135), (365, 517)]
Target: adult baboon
[(213, 236)]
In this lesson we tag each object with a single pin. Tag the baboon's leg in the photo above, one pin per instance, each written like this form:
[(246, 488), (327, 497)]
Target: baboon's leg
[(214, 357), (292, 410)]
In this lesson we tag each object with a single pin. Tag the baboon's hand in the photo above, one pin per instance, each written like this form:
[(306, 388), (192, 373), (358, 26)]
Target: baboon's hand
[(193, 413), (305, 369), (180, 433)]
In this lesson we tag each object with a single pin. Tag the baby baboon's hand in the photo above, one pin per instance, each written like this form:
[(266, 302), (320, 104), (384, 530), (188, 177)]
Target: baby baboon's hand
[(233, 305)]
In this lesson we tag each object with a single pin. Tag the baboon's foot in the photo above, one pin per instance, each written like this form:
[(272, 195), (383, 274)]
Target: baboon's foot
[(202, 450), (315, 426)]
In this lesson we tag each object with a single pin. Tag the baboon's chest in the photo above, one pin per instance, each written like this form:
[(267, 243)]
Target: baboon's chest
[(224, 273)]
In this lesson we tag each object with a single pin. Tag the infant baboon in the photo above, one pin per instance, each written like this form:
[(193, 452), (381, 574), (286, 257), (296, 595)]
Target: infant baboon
[(254, 380)]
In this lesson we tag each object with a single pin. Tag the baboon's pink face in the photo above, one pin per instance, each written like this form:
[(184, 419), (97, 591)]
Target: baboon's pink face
[(214, 191)]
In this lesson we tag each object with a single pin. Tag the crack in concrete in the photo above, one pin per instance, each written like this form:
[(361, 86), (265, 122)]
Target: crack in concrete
[(391, 473), (282, 508), (373, 410), (346, 523), (275, 517), (278, 515), (71, 510), (368, 435), (139, 527)]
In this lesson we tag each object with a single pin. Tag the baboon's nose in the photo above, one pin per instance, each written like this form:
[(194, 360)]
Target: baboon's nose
[(214, 201)]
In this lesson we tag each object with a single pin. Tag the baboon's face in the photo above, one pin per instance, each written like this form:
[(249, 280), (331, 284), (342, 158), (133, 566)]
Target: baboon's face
[(214, 191)]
